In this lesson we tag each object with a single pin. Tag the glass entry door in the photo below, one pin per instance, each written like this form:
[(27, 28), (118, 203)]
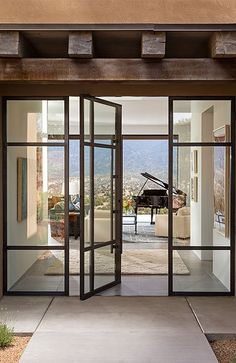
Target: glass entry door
[(100, 190)]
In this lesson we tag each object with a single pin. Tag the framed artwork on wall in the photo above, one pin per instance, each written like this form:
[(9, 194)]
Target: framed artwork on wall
[(194, 189), (221, 180), (194, 161), (21, 189)]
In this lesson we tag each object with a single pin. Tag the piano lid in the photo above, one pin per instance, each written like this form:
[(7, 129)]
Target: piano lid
[(155, 180), (160, 183)]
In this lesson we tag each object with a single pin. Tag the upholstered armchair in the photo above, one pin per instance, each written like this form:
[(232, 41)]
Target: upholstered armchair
[(181, 224), (57, 215), (102, 226)]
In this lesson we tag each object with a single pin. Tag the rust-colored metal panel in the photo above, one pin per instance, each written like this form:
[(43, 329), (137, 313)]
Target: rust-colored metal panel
[(118, 11)]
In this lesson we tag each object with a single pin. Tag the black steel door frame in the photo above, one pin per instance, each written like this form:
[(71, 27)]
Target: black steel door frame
[(63, 143), (115, 243), (231, 247)]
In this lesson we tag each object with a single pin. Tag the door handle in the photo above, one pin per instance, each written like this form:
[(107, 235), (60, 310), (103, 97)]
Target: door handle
[(116, 246)]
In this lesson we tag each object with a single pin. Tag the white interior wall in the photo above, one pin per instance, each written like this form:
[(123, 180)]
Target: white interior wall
[(183, 132), (202, 216), (206, 181), (196, 219), (22, 125)]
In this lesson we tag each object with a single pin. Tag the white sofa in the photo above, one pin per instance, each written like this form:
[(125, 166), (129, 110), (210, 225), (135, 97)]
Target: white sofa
[(181, 224), (102, 226)]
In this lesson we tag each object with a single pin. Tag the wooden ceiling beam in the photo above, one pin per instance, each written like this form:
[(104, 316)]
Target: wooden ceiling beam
[(66, 69), (153, 44), (80, 44), (223, 45), (12, 44)]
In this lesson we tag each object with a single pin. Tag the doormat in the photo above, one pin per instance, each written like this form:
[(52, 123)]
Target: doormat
[(134, 262)]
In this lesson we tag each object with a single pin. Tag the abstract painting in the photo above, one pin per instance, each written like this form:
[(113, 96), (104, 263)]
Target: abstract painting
[(221, 180), (194, 189), (21, 189)]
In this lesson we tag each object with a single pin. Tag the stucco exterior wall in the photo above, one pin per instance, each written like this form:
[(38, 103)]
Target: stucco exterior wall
[(118, 11), (1, 209)]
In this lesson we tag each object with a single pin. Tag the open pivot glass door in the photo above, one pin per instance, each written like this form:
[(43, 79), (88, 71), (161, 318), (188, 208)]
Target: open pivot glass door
[(101, 195)]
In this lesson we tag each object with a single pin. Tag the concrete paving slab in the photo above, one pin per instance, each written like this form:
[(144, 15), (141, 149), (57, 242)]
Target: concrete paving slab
[(102, 313), (216, 315), (122, 347), (23, 313), (119, 329)]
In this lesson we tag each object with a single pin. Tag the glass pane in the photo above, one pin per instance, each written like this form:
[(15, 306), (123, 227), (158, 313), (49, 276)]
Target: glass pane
[(35, 195), (74, 205), (203, 174), (87, 126), (104, 266), (104, 123), (87, 196), (201, 271), (35, 120), (143, 115), (201, 121), (74, 124), (35, 270), (103, 198), (141, 156), (87, 265)]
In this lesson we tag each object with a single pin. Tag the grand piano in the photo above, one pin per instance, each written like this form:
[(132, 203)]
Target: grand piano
[(157, 198)]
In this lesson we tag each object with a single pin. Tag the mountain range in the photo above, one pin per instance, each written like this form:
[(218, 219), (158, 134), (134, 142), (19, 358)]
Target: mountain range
[(138, 156)]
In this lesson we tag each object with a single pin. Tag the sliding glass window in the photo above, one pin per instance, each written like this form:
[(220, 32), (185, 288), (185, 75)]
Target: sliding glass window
[(201, 231), (35, 236)]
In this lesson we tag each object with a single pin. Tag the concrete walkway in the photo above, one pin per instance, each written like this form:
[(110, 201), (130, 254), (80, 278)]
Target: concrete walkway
[(23, 313), (216, 315), (120, 329)]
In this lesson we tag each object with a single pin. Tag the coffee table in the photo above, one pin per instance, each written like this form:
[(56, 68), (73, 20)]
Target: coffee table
[(74, 220)]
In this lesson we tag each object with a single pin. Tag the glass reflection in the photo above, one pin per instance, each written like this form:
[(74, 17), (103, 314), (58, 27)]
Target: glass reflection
[(203, 173), (197, 120), (35, 197), (35, 120), (36, 270), (201, 271)]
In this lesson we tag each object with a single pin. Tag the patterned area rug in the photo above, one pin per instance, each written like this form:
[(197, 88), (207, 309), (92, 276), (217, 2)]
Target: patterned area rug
[(134, 262), (145, 234)]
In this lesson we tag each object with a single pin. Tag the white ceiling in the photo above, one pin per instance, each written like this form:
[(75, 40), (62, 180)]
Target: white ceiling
[(142, 110), (136, 111)]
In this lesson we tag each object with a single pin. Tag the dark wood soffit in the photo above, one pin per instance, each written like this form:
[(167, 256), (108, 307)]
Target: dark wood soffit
[(208, 88), (56, 70)]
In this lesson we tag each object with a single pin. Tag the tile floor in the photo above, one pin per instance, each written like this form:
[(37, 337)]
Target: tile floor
[(200, 278)]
